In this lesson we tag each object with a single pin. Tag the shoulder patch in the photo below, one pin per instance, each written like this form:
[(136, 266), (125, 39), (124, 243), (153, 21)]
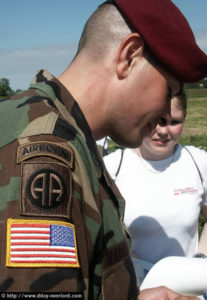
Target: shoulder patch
[(46, 189), (44, 148), (41, 243)]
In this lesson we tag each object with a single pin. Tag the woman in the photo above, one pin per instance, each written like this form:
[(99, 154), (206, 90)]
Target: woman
[(165, 186)]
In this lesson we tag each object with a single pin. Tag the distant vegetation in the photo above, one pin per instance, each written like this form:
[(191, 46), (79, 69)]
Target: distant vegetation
[(5, 89), (195, 127)]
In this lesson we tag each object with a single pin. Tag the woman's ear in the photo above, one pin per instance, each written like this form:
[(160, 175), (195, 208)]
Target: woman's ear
[(130, 49)]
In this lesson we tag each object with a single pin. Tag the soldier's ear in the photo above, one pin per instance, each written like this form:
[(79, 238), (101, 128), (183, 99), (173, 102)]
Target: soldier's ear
[(131, 48)]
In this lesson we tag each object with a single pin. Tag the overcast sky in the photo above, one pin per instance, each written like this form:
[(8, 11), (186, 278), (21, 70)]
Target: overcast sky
[(38, 34)]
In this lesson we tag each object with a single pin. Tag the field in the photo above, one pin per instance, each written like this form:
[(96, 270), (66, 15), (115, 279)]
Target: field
[(195, 128)]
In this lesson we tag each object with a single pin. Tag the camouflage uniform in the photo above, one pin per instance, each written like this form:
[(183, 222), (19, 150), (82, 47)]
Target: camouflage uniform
[(52, 178)]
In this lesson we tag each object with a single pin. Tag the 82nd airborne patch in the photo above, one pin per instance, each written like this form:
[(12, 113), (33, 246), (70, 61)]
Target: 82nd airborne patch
[(46, 189), (44, 148)]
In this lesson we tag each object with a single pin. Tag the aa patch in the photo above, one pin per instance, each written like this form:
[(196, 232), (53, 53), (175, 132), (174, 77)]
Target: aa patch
[(46, 189), (43, 148), (41, 243)]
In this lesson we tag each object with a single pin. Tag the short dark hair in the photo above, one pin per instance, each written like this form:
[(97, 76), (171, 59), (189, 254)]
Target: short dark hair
[(105, 28)]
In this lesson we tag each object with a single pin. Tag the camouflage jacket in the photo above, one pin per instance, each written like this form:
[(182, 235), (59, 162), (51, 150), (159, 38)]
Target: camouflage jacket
[(60, 213)]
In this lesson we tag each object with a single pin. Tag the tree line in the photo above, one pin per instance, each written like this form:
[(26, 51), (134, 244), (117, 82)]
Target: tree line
[(6, 90)]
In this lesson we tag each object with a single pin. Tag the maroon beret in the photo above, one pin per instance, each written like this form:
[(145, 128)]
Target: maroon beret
[(167, 35)]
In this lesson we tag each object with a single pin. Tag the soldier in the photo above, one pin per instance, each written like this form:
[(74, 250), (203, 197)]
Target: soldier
[(61, 215)]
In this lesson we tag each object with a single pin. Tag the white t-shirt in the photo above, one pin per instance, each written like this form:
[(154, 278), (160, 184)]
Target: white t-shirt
[(162, 207)]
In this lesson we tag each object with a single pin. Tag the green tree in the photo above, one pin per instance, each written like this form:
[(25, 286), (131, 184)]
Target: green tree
[(5, 89)]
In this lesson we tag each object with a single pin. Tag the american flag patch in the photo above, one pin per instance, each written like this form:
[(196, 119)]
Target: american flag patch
[(41, 243)]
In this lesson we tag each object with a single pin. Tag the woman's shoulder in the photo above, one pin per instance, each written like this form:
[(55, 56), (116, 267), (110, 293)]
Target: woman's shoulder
[(116, 155), (112, 161), (199, 156), (198, 152)]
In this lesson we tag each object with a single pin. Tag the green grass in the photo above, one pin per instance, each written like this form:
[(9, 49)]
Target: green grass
[(196, 93), (195, 127)]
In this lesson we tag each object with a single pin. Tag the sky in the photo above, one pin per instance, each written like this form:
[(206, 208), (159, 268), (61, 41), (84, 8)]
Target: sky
[(44, 34)]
